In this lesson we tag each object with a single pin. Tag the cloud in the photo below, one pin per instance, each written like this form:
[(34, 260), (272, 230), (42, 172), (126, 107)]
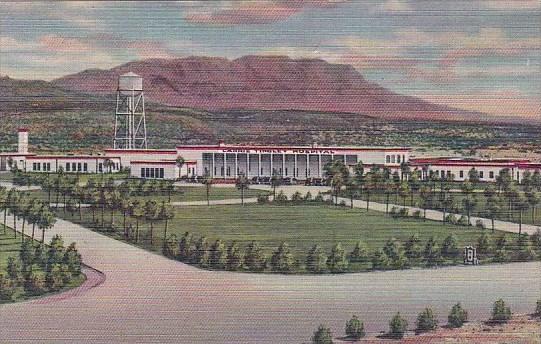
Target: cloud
[(228, 13), (512, 4), (396, 6)]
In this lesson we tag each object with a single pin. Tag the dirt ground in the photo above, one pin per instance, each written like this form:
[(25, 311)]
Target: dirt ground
[(522, 329)]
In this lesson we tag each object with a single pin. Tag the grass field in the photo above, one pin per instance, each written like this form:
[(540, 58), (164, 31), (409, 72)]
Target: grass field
[(300, 226)]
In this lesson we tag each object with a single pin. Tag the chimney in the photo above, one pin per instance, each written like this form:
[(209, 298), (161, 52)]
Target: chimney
[(22, 146)]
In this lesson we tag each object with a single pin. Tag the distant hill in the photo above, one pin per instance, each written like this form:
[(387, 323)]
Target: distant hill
[(262, 83)]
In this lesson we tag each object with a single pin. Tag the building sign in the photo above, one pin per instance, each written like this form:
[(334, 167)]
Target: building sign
[(470, 256), (279, 151)]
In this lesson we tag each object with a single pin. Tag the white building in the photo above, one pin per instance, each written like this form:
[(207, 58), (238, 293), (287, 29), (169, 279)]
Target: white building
[(72, 163)]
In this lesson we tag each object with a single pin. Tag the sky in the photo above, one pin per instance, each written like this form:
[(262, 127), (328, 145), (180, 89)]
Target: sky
[(480, 55)]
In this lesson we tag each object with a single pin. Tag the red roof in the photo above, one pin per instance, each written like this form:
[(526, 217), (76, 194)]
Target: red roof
[(137, 151), (320, 148), (71, 157)]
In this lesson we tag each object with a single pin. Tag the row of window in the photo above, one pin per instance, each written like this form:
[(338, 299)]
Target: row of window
[(462, 174), (76, 167), (155, 172), (392, 159), (38, 166)]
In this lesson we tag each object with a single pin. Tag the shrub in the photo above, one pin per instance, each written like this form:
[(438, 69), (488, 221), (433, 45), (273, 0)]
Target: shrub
[(380, 260), (234, 257), (296, 197), (323, 335), (404, 212), (458, 316), (359, 253), (319, 198), (281, 197), (451, 218), (426, 321), (463, 221), (54, 280), (254, 258), (449, 247), (393, 212), (432, 253), (282, 259), (355, 328), (34, 283), (500, 311), (308, 197), (397, 326), (413, 247), (262, 199), (538, 308), (342, 203), (6, 289), (480, 224), (417, 214), (316, 260), (337, 261), (483, 244)]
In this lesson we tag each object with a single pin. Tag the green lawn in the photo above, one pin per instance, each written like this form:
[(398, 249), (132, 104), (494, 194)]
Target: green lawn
[(300, 226)]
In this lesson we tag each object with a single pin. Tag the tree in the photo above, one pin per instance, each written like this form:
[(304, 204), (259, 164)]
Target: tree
[(201, 253), (276, 181), (34, 283), (234, 257), (166, 213), (125, 206), (404, 191), (137, 210), (426, 321), (458, 316), (483, 244), (6, 289), (337, 175), (13, 270), (395, 253), (282, 259), (413, 247), (493, 208), (179, 162), (449, 247), (432, 252), (152, 213), (185, 250), (534, 198), (54, 279), (426, 199), (397, 326), (337, 261), (473, 176), (254, 258), (171, 247), (323, 335), (500, 311), (26, 255), (380, 261), (316, 260), (208, 181), (242, 184), (359, 253), (4, 204), (355, 328), (521, 204), (538, 308), (218, 255), (72, 259)]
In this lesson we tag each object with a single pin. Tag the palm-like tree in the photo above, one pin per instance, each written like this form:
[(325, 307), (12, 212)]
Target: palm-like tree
[(388, 189), (125, 206), (180, 162), (152, 212), (493, 208), (46, 221), (208, 181), (13, 200), (4, 204), (108, 165), (242, 184), (403, 191), (337, 175), (521, 204), (426, 198)]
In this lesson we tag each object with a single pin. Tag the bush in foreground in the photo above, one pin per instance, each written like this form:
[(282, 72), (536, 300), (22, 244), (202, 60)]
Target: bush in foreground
[(426, 321), (538, 308), (323, 335), (501, 312), (458, 316), (397, 326), (355, 328)]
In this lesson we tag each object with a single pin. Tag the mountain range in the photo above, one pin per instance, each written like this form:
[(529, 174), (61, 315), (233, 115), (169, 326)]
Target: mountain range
[(262, 83)]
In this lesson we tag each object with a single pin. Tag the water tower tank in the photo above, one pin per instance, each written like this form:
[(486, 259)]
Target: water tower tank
[(130, 82)]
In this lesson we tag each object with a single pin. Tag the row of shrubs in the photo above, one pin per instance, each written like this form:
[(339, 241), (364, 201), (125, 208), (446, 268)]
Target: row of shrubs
[(40, 269), (426, 321), (393, 255)]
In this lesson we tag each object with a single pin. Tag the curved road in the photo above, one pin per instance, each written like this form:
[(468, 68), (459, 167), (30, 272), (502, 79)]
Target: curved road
[(146, 298)]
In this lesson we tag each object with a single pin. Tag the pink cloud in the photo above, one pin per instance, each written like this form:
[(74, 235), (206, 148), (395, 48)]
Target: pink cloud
[(258, 12), (55, 43)]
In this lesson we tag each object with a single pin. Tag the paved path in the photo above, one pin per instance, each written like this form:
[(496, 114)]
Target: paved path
[(216, 202), (10, 185), (430, 214)]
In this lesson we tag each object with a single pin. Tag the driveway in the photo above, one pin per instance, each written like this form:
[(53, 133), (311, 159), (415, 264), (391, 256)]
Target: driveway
[(146, 298)]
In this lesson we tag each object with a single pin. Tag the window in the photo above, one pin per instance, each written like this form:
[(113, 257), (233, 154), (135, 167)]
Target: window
[(481, 174), (461, 174), (74, 167), (491, 174), (85, 167), (151, 173), (142, 172), (68, 167), (404, 158), (393, 158), (448, 173), (100, 167), (34, 166), (162, 173), (398, 158), (286, 171), (388, 159)]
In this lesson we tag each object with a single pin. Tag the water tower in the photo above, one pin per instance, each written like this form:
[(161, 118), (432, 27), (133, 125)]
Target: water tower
[(130, 122)]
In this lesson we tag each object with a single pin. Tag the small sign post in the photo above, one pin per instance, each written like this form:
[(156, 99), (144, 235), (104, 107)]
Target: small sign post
[(470, 256)]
